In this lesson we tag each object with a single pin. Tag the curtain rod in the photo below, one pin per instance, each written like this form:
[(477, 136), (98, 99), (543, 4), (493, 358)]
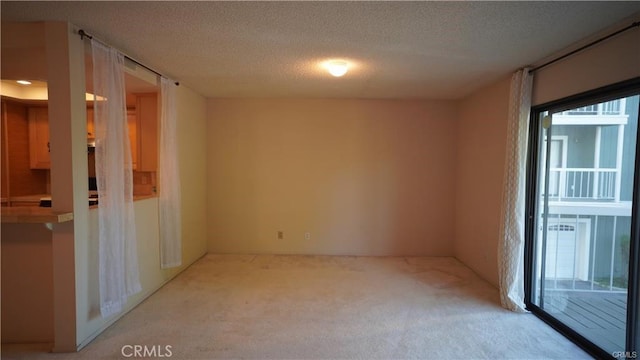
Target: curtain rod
[(634, 24), (84, 34)]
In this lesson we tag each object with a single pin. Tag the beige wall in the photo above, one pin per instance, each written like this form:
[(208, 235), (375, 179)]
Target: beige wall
[(191, 129), (481, 142), (65, 309), (64, 73), (612, 61), (90, 322), (23, 50), (67, 134), (192, 151), (364, 177), (27, 284)]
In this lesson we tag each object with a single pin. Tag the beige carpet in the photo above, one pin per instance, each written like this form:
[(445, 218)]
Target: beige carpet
[(321, 307)]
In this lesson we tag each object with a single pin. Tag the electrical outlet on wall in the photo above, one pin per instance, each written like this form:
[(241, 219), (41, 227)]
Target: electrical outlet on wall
[(307, 236), (280, 235)]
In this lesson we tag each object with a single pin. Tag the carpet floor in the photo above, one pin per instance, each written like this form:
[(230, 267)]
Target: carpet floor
[(322, 307)]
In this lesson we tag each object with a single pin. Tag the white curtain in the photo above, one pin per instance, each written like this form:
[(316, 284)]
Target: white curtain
[(118, 268), (169, 181), (511, 242)]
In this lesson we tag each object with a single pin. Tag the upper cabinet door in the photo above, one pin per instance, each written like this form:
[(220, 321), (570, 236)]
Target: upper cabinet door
[(91, 131), (132, 126), (39, 146), (147, 134), (133, 130)]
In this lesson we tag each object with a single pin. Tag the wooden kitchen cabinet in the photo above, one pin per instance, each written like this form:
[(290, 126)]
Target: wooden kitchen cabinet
[(39, 145), (147, 132), (142, 124), (91, 132), (131, 125), (133, 137)]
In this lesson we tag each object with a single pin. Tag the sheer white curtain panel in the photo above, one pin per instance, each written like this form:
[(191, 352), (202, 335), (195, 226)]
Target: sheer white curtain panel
[(511, 242), (169, 180), (118, 259)]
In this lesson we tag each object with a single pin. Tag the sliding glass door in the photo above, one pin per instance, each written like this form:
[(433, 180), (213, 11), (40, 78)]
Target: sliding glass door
[(583, 218)]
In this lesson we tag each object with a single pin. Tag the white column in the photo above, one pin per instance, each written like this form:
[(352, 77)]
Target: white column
[(619, 161), (622, 110), (600, 108), (68, 130), (596, 162)]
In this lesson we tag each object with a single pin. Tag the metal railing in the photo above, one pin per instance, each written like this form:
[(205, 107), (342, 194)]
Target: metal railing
[(614, 107), (576, 259), (583, 184)]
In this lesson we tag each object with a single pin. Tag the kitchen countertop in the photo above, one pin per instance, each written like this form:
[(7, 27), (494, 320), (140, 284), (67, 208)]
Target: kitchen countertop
[(35, 214), (28, 198)]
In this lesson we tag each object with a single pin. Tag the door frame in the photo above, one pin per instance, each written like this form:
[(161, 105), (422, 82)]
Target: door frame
[(621, 89), (564, 141)]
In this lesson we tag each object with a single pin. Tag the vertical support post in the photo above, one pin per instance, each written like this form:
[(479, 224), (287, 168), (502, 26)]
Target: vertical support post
[(613, 252), (546, 134), (619, 153), (593, 253), (69, 183), (622, 106), (596, 162), (633, 288), (576, 263), (599, 108)]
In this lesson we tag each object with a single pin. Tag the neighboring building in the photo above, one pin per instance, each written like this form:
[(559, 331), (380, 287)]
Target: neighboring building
[(590, 182)]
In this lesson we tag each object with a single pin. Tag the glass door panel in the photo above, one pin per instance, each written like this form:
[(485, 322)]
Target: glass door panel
[(584, 199)]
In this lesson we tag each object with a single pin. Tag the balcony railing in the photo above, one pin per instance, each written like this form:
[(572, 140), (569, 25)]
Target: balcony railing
[(582, 260), (584, 184), (614, 107)]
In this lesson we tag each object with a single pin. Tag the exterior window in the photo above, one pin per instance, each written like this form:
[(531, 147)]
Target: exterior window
[(581, 188)]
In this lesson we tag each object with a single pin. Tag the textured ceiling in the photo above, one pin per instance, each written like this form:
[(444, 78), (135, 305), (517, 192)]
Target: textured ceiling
[(439, 50)]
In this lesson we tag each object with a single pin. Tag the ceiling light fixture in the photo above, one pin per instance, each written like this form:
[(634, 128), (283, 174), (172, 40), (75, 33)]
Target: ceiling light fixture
[(337, 68), (23, 82)]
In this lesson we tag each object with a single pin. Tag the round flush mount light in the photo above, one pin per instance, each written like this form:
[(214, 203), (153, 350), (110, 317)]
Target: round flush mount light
[(337, 68), (23, 82)]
